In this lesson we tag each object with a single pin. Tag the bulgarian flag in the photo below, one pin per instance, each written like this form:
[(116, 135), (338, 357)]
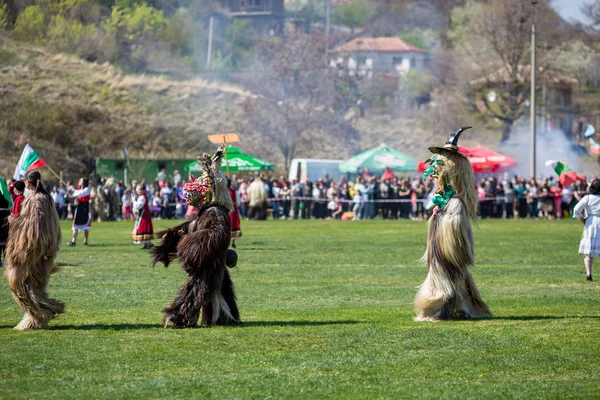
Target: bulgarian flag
[(4, 192), (29, 160), (566, 175), (594, 146)]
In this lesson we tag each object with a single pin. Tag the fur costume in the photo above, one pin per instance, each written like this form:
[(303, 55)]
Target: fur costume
[(33, 242), (201, 245), (449, 291)]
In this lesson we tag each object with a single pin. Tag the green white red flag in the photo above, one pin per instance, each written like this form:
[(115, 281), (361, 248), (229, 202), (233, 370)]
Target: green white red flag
[(566, 175), (29, 161), (5, 193)]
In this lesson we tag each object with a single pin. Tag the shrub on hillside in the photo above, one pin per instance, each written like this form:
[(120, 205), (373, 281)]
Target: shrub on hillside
[(30, 24)]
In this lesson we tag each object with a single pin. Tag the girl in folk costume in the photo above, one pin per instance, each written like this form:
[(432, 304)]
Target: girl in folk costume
[(588, 212), (18, 189), (82, 220), (30, 252), (234, 216), (449, 291), (142, 231), (202, 246)]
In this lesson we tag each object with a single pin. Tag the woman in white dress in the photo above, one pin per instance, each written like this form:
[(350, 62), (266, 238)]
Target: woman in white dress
[(588, 212)]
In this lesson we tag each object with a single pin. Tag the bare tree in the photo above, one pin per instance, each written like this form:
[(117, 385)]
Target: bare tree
[(495, 37), (295, 96)]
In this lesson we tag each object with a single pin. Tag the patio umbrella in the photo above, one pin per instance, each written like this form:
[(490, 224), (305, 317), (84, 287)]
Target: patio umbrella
[(483, 159), (487, 160), (238, 162), (378, 159)]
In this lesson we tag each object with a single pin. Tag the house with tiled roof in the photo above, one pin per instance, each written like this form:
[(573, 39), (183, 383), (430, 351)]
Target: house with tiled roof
[(380, 54)]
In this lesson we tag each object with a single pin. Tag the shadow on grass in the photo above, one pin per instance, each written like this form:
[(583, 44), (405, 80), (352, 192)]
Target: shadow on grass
[(543, 317), (252, 324), (126, 327), (105, 327)]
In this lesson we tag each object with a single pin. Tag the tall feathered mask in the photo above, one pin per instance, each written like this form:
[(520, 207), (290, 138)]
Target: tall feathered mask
[(201, 191)]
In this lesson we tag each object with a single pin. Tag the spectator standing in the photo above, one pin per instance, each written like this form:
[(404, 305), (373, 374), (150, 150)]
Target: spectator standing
[(59, 200), (509, 200), (358, 199), (532, 198), (127, 205), (243, 206), (176, 178), (521, 193), (567, 197), (276, 202), (557, 197), (296, 190), (546, 201), (257, 199), (404, 195), (500, 199), (286, 199), (307, 199)]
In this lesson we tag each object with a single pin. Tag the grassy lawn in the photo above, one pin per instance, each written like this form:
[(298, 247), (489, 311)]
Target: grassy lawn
[(327, 310)]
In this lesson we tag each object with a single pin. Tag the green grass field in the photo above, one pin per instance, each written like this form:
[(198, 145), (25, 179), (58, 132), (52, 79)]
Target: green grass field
[(327, 311)]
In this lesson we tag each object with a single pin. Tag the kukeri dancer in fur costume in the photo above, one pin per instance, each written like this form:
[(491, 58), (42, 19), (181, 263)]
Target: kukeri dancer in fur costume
[(32, 245), (449, 291), (201, 245)]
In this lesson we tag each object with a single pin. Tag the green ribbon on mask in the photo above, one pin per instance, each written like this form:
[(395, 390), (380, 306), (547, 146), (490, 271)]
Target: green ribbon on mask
[(442, 199)]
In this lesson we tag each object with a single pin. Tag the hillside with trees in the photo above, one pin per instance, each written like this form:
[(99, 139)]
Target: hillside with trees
[(82, 79)]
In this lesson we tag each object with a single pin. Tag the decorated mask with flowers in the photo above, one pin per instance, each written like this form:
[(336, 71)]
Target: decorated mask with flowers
[(198, 192)]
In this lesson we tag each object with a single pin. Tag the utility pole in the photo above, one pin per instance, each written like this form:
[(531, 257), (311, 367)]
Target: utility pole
[(210, 40), (327, 17), (532, 100)]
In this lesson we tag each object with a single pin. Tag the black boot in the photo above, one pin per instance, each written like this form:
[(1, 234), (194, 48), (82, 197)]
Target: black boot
[(589, 278)]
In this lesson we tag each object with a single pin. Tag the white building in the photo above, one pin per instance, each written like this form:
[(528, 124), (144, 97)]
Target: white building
[(381, 54)]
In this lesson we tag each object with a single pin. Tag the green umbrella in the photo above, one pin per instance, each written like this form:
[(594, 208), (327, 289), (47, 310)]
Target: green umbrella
[(378, 159), (238, 162)]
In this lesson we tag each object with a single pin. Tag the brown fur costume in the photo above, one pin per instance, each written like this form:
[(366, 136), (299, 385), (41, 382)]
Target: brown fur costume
[(33, 242), (449, 291), (202, 248)]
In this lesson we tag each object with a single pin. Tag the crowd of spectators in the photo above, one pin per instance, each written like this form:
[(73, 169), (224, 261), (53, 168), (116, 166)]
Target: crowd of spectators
[(365, 196)]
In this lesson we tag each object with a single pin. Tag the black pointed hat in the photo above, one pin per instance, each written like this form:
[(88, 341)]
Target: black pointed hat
[(452, 143)]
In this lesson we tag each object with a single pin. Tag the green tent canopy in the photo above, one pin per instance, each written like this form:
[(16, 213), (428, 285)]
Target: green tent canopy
[(238, 162), (378, 159)]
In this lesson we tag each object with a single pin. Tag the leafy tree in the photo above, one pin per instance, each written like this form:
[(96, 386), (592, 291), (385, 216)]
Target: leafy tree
[(30, 24), (4, 16), (354, 14)]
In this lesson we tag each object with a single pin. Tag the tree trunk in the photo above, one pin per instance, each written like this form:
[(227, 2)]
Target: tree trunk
[(508, 125)]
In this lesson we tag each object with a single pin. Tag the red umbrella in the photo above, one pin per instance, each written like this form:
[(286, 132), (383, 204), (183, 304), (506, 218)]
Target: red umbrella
[(486, 160), (483, 160), (421, 165)]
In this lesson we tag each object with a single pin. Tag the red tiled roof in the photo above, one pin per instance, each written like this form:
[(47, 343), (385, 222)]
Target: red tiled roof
[(378, 44)]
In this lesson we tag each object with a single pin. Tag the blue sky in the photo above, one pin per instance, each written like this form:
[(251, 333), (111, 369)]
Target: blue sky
[(570, 9)]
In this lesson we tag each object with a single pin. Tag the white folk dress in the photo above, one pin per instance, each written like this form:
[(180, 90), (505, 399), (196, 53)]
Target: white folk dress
[(589, 207)]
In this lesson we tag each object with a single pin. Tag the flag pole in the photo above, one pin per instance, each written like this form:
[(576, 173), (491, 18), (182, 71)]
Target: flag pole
[(55, 174), (226, 157)]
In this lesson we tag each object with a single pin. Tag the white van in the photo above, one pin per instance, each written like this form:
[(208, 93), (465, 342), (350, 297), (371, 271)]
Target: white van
[(314, 168)]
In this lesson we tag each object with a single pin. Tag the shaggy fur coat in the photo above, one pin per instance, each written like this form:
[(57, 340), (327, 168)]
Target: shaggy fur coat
[(449, 291), (202, 247), (32, 245)]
